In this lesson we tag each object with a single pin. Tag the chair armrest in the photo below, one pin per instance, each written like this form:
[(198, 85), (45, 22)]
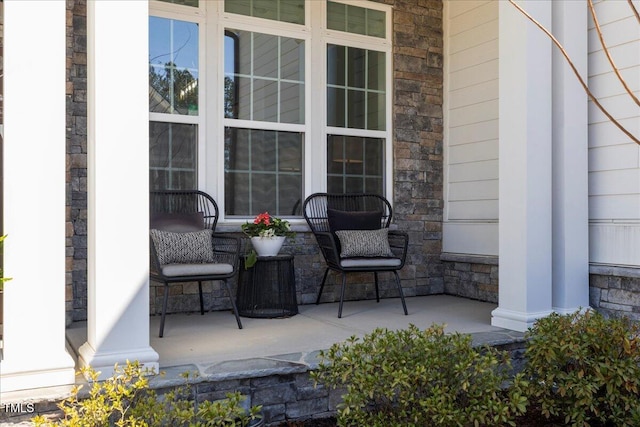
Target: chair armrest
[(399, 243), (226, 249), (327, 243), (154, 262)]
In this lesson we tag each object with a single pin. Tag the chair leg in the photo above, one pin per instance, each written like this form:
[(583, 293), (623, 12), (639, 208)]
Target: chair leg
[(344, 285), (201, 300), (375, 277), (233, 304), (404, 305), (164, 308), (324, 278)]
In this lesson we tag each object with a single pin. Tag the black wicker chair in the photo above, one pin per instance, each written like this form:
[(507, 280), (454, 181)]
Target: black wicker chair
[(329, 214), (187, 257)]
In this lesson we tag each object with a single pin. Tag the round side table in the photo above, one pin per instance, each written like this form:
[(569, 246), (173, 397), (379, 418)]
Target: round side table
[(268, 289)]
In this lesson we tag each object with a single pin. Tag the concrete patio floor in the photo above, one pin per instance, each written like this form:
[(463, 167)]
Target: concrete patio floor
[(212, 338)]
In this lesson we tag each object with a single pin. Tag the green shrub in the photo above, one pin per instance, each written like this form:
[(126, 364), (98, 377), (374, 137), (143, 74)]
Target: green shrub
[(419, 378), (125, 399), (584, 368)]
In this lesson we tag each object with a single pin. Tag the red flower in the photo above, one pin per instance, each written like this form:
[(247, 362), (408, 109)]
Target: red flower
[(263, 218)]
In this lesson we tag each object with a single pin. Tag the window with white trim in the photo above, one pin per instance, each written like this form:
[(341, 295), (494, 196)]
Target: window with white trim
[(296, 100)]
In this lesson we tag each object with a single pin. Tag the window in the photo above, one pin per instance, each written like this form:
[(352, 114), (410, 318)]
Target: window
[(173, 102), (296, 100), (263, 83), (356, 99), (278, 10)]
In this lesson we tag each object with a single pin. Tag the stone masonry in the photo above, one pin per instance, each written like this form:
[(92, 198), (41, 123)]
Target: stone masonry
[(615, 291), (471, 276), (417, 157), (76, 281)]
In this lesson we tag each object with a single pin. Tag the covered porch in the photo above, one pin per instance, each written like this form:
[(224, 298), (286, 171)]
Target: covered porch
[(213, 339), (269, 359)]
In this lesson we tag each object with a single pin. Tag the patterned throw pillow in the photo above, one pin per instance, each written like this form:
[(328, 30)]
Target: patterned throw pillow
[(183, 248), (364, 243)]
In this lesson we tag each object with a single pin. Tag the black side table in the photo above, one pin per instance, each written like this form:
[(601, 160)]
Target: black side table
[(268, 289)]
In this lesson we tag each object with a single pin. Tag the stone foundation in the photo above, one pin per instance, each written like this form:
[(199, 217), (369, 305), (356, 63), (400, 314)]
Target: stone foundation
[(282, 384), (471, 276), (615, 291)]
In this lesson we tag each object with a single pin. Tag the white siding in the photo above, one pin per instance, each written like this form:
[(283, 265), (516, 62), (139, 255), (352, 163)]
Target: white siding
[(471, 127), (614, 161)]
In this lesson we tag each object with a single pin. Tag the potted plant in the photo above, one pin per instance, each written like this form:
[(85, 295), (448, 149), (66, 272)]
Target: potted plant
[(267, 235)]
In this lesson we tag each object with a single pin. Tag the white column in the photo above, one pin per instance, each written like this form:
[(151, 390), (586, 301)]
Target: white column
[(525, 167), (570, 161), (34, 196), (118, 181)]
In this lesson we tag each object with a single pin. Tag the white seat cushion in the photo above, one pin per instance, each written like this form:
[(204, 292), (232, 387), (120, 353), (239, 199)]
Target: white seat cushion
[(173, 270), (370, 262)]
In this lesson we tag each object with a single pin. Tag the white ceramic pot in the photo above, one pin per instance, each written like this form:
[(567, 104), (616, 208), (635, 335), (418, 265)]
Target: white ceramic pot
[(267, 246)]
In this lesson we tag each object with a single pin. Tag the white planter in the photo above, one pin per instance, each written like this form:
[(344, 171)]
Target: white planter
[(267, 246)]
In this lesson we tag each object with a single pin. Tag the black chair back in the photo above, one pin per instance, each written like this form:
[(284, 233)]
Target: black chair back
[(185, 201), (315, 208)]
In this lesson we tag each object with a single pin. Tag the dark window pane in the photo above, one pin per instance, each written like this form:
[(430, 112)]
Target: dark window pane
[(244, 98), (263, 150), (255, 88), (356, 62), (264, 193), (265, 100), (292, 11), (291, 105), (335, 154), (373, 151), (376, 70), (336, 64), (375, 111), (335, 184), (291, 59), (265, 56), (237, 148), (365, 106), (354, 185), (336, 107), (278, 10), (336, 14), (356, 109), (290, 195), (272, 175), (356, 20), (373, 185), (172, 155), (355, 164), (376, 23), (237, 193)]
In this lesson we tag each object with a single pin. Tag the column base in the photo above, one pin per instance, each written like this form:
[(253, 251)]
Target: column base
[(564, 311), (104, 362), (21, 376), (516, 320)]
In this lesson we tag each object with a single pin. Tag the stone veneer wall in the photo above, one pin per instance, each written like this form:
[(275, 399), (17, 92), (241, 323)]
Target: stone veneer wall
[(76, 215), (282, 385), (471, 276), (615, 291), (417, 157)]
